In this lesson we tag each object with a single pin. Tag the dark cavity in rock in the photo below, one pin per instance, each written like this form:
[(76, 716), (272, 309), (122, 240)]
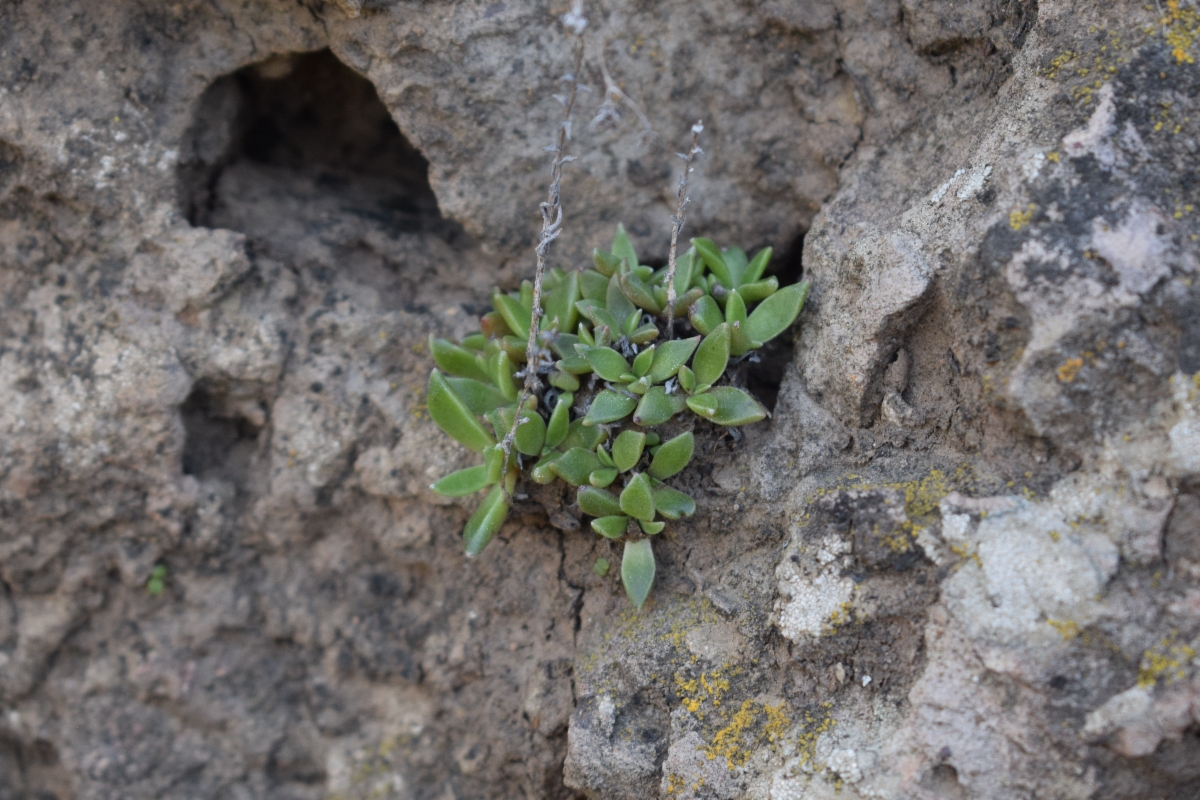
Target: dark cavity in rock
[(301, 130)]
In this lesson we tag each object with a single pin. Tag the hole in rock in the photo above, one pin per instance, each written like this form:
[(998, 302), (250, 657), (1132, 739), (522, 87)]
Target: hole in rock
[(298, 144), (221, 434), (942, 782)]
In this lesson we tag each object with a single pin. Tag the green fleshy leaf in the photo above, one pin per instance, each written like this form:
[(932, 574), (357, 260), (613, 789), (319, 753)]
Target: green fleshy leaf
[(564, 344), (687, 379), (531, 432), (601, 567), (739, 342), (597, 502), (604, 336), (603, 477), (637, 571), (672, 503), (493, 459), (640, 386), (593, 286), (606, 362), (476, 341), (457, 360), (584, 336), (605, 457), (727, 405), (636, 500), (585, 436), (712, 355), (670, 356), (776, 314), (574, 365), (525, 296), (644, 335), (639, 293), (606, 264), (560, 420), (479, 397), (656, 407), (651, 528), (575, 465), (735, 308), (454, 417), (652, 439), (627, 449), (611, 527), (756, 267), (616, 303), (641, 364), (463, 482), (559, 303), (597, 315), (492, 324), (684, 301), (609, 406), (713, 259), (623, 248), (684, 265), (631, 322), (516, 348), (736, 261), (564, 381), (515, 315), (502, 370), (754, 292), (485, 523), (542, 472), (673, 456), (705, 315)]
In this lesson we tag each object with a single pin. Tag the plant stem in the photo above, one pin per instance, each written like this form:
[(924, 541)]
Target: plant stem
[(551, 228), (677, 222)]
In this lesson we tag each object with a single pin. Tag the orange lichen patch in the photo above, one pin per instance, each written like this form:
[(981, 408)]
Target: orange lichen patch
[(1068, 371)]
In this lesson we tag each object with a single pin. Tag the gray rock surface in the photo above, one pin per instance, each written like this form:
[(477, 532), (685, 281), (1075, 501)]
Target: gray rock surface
[(962, 559)]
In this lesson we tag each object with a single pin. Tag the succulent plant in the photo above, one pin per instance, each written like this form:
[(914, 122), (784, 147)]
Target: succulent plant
[(607, 378)]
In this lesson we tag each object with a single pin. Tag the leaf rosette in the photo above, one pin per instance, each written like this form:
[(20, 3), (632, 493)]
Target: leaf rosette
[(607, 378)]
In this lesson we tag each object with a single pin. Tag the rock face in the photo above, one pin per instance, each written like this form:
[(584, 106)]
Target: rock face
[(962, 560)]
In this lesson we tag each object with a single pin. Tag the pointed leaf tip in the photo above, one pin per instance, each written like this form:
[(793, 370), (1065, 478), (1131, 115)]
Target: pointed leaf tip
[(637, 571), (453, 415), (486, 522)]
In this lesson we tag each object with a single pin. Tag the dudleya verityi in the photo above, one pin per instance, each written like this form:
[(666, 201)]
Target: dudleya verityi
[(608, 376)]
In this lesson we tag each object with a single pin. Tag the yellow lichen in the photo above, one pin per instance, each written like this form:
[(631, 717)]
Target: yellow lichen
[(1069, 369), (755, 726), (1065, 627), (1019, 219), (1167, 661)]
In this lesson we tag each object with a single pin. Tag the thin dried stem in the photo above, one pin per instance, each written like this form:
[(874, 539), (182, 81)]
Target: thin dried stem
[(677, 222), (552, 217)]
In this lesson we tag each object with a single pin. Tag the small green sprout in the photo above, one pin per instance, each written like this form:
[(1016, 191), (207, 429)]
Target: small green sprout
[(600, 568), (608, 372), (157, 581)]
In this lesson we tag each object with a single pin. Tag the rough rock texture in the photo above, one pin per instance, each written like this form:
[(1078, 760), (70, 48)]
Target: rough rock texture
[(962, 560)]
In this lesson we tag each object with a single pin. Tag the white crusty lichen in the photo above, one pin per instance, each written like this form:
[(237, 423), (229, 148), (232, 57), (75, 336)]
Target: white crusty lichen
[(813, 592)]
